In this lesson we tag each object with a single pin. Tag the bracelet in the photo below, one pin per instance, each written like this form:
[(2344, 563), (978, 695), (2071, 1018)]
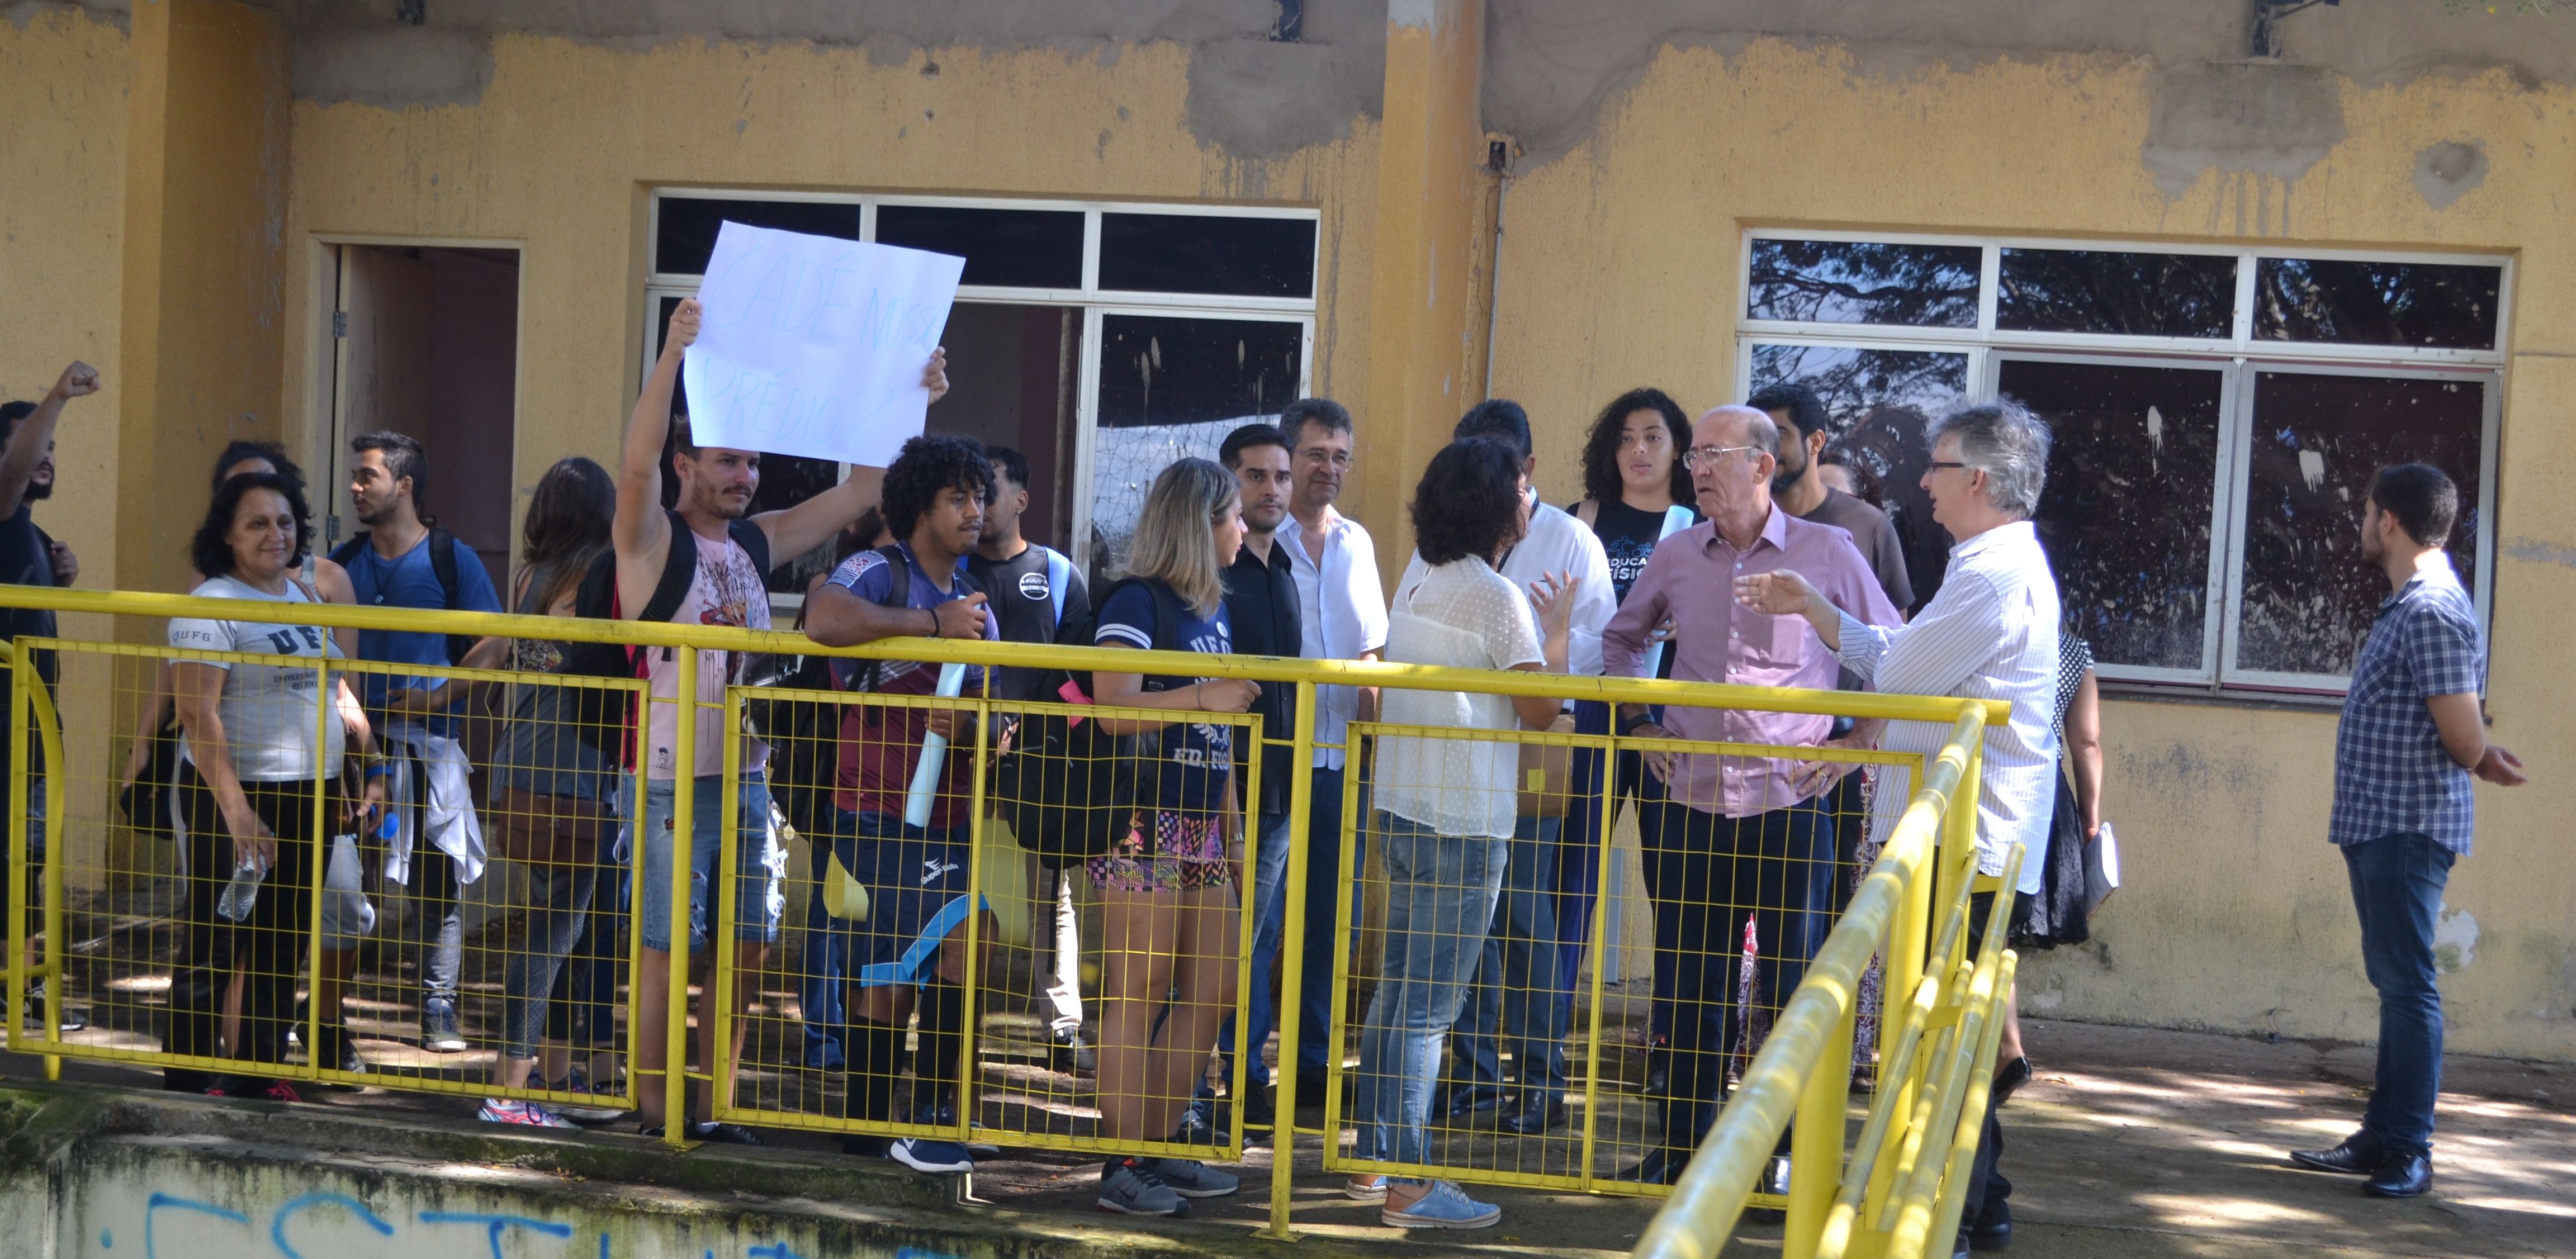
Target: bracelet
[(934, 621), (378, 769)]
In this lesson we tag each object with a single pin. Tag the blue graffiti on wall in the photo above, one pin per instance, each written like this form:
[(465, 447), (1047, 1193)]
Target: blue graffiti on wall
[(495, 1228)]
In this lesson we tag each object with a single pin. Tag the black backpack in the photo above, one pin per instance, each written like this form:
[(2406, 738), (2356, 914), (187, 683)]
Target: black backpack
[(608, 716), (442, 563), (1069, 789)]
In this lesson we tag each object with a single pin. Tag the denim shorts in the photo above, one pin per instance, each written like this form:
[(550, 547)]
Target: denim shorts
[(759, 862)]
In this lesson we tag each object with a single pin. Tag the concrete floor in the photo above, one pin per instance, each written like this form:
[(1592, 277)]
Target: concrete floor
[(2130, 1142)]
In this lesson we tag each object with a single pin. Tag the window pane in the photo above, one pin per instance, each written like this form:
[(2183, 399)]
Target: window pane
[(1173, 388), (1206, 253), (1825, 281), (2126, 512), (1880, 400), (1020, 248), (2377, 303), (2309, 598), (689, 224), (2147, 295)]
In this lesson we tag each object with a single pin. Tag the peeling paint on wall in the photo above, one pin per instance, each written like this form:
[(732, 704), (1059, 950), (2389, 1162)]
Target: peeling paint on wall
[(2448, 171), (2252, 118), (2455, 940)]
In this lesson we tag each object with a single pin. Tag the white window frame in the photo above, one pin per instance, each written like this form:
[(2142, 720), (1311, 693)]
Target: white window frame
[(1091, 299), (2239, 355)]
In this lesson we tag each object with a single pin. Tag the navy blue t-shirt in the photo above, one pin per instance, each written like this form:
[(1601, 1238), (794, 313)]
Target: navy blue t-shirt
[(409, 581), (1201, 752)]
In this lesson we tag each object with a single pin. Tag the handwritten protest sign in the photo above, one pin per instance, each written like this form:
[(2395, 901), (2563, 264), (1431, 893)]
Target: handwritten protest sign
[(814, 346)]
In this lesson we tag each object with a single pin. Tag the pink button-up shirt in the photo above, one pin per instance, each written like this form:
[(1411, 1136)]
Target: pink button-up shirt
[(1691, 578)]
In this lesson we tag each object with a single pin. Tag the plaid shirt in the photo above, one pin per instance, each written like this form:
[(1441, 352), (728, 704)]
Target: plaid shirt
[(2391, 772)]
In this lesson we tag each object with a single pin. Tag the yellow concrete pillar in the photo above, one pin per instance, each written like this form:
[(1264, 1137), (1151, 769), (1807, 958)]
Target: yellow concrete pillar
[(1423, 301), (205, 215)]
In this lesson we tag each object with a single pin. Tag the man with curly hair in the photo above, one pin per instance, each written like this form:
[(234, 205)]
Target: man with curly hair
[(908, 956)]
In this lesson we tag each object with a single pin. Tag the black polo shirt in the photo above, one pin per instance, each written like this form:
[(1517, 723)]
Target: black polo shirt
[(1261, 602)]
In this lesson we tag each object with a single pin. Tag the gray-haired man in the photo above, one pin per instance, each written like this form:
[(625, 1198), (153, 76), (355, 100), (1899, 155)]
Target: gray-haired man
[(1991, 633)]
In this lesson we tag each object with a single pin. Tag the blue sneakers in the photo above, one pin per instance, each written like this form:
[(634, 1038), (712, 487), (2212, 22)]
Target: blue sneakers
[(1446, 1206)]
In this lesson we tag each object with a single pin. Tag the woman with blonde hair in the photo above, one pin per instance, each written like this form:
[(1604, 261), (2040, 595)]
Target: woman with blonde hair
[(1167, 896)]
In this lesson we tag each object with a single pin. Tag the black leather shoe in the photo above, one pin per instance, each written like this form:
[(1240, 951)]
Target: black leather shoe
[(1533, 1112), (2401, 1175), (1657, 1168), (1257, 1110), (1310, 1089), (2009, 1081), (1466, 1101), (1997, 1236), (2359, 1155)]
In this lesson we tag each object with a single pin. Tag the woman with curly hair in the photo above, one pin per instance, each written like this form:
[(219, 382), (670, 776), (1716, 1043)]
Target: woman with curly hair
[(256, 738), (1447, 807)]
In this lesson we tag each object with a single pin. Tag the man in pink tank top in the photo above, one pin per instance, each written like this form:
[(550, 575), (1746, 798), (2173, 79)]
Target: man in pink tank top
[(728, 588)]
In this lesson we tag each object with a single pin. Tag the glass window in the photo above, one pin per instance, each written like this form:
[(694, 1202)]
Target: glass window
[(1172, 388), (2126, 511), (2084, 290), (2377, 303), (1880, 401), (1207, 253), (2308, 596), (687, 235), (1015, 248), (1867, 282)]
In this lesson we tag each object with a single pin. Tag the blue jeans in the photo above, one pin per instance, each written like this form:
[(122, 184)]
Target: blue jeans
[(1317, 1039), (1517, 982), (1269, 908), (2397, 883), (1439, 903), (1711, 872), (820, 985)]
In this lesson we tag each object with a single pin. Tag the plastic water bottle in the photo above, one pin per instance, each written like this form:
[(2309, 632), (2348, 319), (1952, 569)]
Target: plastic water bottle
[(242, 894)]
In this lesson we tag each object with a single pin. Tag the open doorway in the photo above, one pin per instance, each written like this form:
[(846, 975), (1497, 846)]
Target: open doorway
[(425, 343)]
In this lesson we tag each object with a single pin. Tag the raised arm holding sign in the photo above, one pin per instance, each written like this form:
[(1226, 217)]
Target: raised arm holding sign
[(812, 345)]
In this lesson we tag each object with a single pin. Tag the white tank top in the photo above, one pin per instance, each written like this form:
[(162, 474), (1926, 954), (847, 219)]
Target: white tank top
[(727, 590)]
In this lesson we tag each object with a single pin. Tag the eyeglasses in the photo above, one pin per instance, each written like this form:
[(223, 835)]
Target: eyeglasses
[(1697, 456), (1938, 464)]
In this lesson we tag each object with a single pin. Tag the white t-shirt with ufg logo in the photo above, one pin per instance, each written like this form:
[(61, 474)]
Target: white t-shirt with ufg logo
[(272, 714)]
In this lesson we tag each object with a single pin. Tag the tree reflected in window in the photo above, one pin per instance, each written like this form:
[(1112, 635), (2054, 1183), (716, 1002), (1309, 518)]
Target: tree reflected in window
[(2377, 303), (1832, 281)]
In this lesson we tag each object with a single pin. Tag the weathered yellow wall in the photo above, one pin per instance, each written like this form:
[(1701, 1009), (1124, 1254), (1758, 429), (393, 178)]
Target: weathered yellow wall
[(1622, 268), (558, 151), (62, 137), (203, 243)]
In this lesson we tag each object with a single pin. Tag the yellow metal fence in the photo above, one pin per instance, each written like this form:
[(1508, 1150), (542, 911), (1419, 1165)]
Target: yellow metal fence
[(993, 1072)]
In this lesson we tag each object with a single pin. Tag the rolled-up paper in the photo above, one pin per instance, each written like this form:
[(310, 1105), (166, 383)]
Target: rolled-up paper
[(934, 755)]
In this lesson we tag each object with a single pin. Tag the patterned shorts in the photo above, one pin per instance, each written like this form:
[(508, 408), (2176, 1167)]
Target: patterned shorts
[(1187, 854)]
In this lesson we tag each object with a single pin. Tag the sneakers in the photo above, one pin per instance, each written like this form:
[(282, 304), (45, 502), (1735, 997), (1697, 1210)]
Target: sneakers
[(709, 1133), (39, 1004), (1191, 1178), (1446, 1206), (438, 1028), (523, 1114), (577, 1082), (1069, 1054), (1132, 1186), (274, 1091), (1365, 1189), (1199, 1126), (931, 1154)]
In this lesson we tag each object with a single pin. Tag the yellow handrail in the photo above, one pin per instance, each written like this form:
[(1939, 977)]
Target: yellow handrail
[(1702, 1211), (967, 651)]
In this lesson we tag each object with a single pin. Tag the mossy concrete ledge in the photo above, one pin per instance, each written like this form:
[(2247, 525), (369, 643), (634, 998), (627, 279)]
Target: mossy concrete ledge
[(114, 1174)]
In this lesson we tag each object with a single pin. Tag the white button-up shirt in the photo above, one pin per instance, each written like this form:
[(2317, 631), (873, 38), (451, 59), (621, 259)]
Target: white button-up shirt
[(1557, 543), (1341, 613), (1990, 634)]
